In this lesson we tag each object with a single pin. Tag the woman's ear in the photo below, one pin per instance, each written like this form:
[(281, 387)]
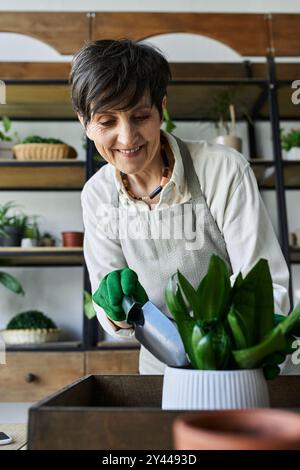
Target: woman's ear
[(83, 125), (164, 102), (163, 106), (80, 119)]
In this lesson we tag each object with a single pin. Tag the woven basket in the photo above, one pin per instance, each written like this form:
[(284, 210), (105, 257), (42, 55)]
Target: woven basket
[(30, 336), (43, 151)]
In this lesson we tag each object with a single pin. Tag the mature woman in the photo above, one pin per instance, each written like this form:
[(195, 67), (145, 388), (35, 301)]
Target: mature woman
[(161, 204)]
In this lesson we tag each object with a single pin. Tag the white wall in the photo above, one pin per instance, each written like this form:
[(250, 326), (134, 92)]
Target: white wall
[(256, 6), (58, 291)]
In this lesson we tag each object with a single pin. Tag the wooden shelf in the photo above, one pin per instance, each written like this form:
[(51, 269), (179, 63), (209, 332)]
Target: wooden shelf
[(41, 91), (42, 256), (42, 175)]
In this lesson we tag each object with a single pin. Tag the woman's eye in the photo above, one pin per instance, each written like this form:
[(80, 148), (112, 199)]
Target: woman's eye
[(106, 123), (141, 118)]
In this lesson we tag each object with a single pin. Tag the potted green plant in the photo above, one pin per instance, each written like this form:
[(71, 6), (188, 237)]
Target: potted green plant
[(6, 138), (290, 142), (31, 234), (12, 224), (223, 113), (47, 240), (35, 147), (30, 327), (232, 338)]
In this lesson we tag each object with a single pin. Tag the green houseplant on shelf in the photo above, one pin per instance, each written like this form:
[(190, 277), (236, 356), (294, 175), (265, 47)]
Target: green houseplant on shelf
[(15, 225), (7, 139), (290, 142), (12, 224), (31, 234), (232, 338), (30, 327), (224, 107), (35, 147)]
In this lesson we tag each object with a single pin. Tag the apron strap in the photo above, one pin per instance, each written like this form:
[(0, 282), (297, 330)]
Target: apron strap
[(189, 170)]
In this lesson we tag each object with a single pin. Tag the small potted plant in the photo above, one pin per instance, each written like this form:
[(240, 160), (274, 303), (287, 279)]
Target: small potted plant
[(16, 226), (290, 142), (30, 327), (31, 233), (35, 147), (223, 113), (12, 224), (232, 338), (47, 240), (6, 138)]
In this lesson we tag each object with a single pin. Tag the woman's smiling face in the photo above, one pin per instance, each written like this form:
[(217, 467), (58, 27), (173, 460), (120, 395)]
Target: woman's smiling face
[(129, 139)]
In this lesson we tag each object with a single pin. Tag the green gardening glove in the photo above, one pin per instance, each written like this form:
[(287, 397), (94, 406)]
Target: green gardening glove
[(112, 289)]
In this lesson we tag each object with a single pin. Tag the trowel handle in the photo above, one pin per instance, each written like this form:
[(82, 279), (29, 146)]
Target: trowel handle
[(133, 310)]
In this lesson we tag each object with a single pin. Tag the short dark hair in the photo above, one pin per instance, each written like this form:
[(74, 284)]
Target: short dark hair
[(117, 73)]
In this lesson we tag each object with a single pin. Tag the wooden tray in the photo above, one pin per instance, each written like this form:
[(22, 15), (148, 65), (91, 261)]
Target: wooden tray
[(120, 412)]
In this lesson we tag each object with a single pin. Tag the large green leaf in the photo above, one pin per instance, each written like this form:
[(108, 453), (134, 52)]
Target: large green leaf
[(185, 323), (203, 349), (253, 357), (190, 294), (214, 291), (243, 301), (260, 281), (212, 350), (291, 323), (237, 329), (11, 283)]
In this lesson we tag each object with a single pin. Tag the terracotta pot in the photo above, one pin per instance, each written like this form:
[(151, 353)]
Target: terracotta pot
[(262, 429), (72, 238)]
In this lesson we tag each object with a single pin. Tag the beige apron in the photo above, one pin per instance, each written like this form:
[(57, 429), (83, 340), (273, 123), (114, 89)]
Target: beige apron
[(183, 237)]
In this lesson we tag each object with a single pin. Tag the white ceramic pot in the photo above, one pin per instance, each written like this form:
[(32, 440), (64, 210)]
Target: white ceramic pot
[(190, 389), (230, 141), (293, 154), (28, 242)]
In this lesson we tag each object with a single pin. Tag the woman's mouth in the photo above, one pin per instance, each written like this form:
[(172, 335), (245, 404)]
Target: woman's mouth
[(133, 152)]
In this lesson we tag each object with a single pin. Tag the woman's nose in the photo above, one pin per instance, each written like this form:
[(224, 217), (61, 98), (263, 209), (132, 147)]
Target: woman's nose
[(127, 134)]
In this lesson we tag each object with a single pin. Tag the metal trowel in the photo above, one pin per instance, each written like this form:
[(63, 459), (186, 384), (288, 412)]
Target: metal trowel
[(155, 331)]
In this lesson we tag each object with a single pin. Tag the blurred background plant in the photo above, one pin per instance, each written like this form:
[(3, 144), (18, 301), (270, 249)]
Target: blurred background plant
[(5, 133)]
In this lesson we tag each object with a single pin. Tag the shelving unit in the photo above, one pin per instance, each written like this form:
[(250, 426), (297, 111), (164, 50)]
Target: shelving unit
[(40, 91), (59, 175), (70, 175), (42, 256)]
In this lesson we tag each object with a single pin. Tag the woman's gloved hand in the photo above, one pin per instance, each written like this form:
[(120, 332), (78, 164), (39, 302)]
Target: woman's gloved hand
[(112, 289)]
